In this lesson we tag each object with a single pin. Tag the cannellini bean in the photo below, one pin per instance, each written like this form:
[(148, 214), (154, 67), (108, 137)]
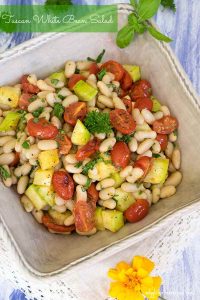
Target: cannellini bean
[(106, 101), (92, 77), (45, 115), (107, 144), (100, 136), (70, 204), (70, 158), (174, 179), (27, 204), (70, 68), (69, 100), (156, 147), (8, 181), (81, 194), (5, 139), (43, 86), (47, 145), (135, 175), (133, 144), (32, 152), (92, 82), (107, 110), (116, 83), (38, 214), (118, 103), (165, 110), (9, 146), (147, 185), (148, 116), (172, 169), (110, 203), (52, 98), (129, 187), (6, 133), (32, 78), (56, 122), (71, 168), (147, 153), (149, 196), (69, 221), (100, 105), (158, 115), (172, 137), (93, 109), (110, 134), (36, 104), (67, 128), (137, 116), (105, 183), (141, 135), (28, 116), (22, 184), (64, 92), (60, 208), (59, 201), (176, 158), (58, 84), (6, 158), (155, 194), (14, 179), (169, 150), (104, 89), (91, 103), (106, 79), (80, 179), (126, 171), (91, 232), (83, 65), (107, 193), (33, 161), (25, 169), (144, 146), (167, 191), (139, 195), (43, 94)]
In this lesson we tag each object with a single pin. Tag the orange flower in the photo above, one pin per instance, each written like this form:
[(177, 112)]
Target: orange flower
[(133, 282)]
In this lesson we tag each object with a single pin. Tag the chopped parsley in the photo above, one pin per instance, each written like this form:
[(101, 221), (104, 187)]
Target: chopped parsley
[(61, 96), (98, 122), (58, 110), (35, 120), (87, 185), (78, 164), (169, 4), (54, 81), (176, 132), (4, 173), (124, 138), (101, 74), (155, 155), (26, 145), (90, 165), (77, 71), (115, 88), (99, 57), (31, 99), (37, 112)]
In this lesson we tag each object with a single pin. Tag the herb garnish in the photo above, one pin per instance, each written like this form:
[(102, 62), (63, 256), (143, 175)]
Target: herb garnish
[(26, 145), (98, 122), (155, 155), (169, 4), (54, 81), (90, 165), (37, 112), (78, 164), (124, 138), (101, 74), (58, 110), (99, 57), (87, 185), (4, 173), (61, 97)]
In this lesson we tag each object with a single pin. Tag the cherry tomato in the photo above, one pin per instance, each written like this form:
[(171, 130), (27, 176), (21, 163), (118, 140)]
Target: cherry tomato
[(16, 160), (27, 87), (42, 129), (93, 194), (122, 121), (84, 216), (120, 155), (141, 89), (114, 68), (137, 211), (24, 100), (94, 69), (126, 81), (50, 224), (74, 112), (87, 150), (122, 93), (74, 79), (144, 103), (166, 125), (63, 184), (128, 104), (163, 140), (144, 163), (64, 143)]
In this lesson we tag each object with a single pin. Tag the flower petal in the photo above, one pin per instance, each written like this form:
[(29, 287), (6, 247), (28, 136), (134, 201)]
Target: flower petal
[(113, 274), (150, 287), (119, 291), (122, 265), (143, 262)]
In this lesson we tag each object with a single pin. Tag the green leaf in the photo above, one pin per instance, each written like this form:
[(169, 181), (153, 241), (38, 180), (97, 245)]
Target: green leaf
[(26, 145), (134, 3), (101, 74), (37, 112), (87, 185), (158, 35), (169, 4), (99, 57), (78, 164), (125, 36), (54, 81), (147, 8), (138, 26), (155, 155), (124, 138), (58, 110), (4, 173), (97, 122)]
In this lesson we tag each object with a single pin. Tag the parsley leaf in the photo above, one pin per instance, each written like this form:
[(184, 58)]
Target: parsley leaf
[(87, 185), (169, 4), (37, 112), (26, 145), (61, 97), (124, 138), (101, 74), (90, 165), (4, 173), (58, 110), (99, 57), (78, 164), (155, 155), (54, 81), (98, 122)]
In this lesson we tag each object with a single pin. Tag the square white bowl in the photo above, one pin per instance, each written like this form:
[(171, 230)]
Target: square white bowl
[(44, 253)]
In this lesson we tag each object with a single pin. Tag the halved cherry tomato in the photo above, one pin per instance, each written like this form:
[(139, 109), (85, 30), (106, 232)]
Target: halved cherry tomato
[(50, 224), (24, 100), (84, 216), (141, 89), (128, 104), (137, 211), (87, 150), (144, 163), (63, 184), (144, 103), (114, 68), (16, 160), (121, 93), (126, 81), (122, 121), (120, 155), (163, 140), (64, 143), (93, 194), (74, 112), (27, 87), (94, 69), (166, 125), (74, 79), (42, 129)]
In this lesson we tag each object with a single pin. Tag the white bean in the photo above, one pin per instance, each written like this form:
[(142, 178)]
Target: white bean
[(174, 179), (70, 204), (80, 179), (149, 196), (100, 136), (71, 168), (59, 201), (148, 116), (107, 144), (43, 94), (139, 195), (14, 179), (107, 193), (28, 116), (22, 184), (70, 68), (155, 194), (137, 116), (169, 150), (81, 194), (69, 221), (135, 175), (27, 204), (52, 99), (6, 158), (91, 103), (69, 100), (56, 122), (100, 105), (70, 159), (106, 79), (156, 147), (167, 191), (172, 137), (126, 171), (116, 83), (36, 104), (43, 86), (176, 158), (60, 208), (45, 115), (32, 152), (5, 139), (110, 203), (147, 153), (105, 183), (58, 84), (32, 78), (172, 169), (64, 92), (165, 110), (118, 103), (47, 145), (141, 135), (83, 65), (129, 187), (104, 89), (38, 214), (9, 146), (145, 145), (133, 144), (25, 169), (158, 115), (106, 101), (91, 82)]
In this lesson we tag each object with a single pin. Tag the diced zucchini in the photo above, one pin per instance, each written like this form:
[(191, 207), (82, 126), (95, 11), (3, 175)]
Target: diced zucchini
[(143, 127), (47, 193), (10, 122), (9, 96), (156, 104), (158, 172), (99, 218), (80, 135), (84, 91), (123, 199), (48, 159), (113, 220), (101, 171), (59, 76), (34, 196), (43, 177), (134, 72), (118, 179), (58, 217)]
